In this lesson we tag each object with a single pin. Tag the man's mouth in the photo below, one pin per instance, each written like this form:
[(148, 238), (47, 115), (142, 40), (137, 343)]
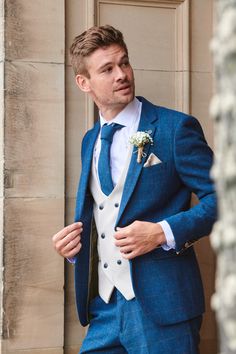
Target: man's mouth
[(123, 87)]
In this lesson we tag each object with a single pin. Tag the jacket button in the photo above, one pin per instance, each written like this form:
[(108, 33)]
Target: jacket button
[(101, 207), (103, 235), (105, 265), (119, 262), (116, 205)]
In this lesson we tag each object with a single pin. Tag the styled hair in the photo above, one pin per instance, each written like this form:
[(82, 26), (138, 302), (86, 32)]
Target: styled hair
[(89, 41)]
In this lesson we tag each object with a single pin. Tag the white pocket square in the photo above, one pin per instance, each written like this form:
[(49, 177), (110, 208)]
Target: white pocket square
[(152, 160)]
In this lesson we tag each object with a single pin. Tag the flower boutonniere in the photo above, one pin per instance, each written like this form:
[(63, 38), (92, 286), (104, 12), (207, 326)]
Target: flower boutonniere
[(140, 139)]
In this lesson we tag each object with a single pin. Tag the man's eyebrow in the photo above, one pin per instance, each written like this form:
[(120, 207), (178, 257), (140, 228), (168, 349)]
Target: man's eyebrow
[(104, 65), (125, 56)]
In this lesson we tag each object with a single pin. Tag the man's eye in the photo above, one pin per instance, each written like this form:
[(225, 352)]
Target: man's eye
[(125, 64), (108, 70)]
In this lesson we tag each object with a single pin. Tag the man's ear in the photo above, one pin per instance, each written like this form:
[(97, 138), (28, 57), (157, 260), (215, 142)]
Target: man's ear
[(83, 83)]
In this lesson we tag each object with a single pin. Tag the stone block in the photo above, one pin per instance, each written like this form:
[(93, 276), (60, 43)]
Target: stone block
[(32, 350), (2, 114), (150, 47), (34, 130), (76, 127), (201, 94), (70, 209), (34, 274), (201, 26), (2, 49), (74, 8), (74, 332), (35, 30), (38, 323), (154, 85)]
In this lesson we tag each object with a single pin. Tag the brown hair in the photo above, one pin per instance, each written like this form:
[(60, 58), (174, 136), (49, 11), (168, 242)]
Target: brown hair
[(87, 42)]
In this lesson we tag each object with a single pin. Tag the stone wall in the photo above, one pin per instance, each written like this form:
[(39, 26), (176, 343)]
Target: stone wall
[(34, 157), (43, 117)]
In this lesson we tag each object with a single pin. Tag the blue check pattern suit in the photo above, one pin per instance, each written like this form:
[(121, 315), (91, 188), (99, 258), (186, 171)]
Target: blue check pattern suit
[(167, 284)]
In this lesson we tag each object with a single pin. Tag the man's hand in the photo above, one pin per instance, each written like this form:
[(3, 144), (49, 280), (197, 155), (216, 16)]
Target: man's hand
[(67, 241), (139, 238)]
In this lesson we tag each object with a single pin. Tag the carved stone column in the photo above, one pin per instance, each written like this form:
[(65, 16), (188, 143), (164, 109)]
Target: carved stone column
[(224, 112)]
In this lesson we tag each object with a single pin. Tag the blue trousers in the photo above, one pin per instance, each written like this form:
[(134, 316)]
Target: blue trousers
[(122, 327)]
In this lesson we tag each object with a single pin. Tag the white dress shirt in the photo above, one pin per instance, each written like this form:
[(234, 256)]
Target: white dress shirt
[(129, 117)]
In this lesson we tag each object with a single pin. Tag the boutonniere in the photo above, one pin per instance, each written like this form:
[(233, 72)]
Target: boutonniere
[(140, 139)]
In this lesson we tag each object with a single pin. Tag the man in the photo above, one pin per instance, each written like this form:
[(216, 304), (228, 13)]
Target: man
[(137, 280)]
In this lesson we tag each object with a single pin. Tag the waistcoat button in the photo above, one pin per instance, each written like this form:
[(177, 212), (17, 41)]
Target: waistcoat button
[(103, 235), (101, 207), (105, 265), (119, 261), (116, 205)]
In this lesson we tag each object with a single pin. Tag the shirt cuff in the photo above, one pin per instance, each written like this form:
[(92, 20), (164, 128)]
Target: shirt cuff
[(71, 260), (170, 240)]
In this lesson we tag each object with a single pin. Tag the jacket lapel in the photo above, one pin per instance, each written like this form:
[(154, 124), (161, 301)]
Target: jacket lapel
[(148, 117), (86, 169)]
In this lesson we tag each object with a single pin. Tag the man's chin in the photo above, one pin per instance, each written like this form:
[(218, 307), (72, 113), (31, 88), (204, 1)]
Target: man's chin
[(127, 98)]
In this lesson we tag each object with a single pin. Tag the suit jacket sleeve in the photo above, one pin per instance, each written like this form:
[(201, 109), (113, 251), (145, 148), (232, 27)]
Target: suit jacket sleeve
[(193, 160)]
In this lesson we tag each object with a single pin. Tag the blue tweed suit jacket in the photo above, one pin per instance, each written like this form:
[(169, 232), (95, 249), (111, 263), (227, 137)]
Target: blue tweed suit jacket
[(166, 283)]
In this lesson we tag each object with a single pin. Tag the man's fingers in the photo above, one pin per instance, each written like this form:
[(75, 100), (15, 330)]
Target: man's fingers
[(70, 245), (67, 241), (126, 249), (130, 255), (67, 230), (71, 236), (73, 252), (119, 235), (122, 232), (121, 242)]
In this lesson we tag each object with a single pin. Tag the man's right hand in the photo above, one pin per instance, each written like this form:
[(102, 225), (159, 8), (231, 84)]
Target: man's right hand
[(67, 241)]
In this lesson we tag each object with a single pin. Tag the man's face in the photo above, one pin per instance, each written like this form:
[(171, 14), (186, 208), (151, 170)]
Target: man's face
[(111, 81)]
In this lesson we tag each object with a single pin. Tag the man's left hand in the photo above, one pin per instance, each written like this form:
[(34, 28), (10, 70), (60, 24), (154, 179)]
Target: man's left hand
[(139, 238)]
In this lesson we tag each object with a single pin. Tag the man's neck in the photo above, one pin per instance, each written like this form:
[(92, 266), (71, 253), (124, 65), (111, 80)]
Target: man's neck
[(110, 114)]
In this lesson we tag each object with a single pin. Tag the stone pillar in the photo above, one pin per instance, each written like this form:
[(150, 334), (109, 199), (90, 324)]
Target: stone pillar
[(79, 118), (1, 154), (224, 111), (32, 175)]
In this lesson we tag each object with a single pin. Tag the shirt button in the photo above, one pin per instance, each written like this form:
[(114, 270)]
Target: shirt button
[(105, 265), (101, 207), (116, 205), (103, 235), (119, 262)]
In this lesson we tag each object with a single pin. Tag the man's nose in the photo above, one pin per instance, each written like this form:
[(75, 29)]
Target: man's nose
[(120, 74)]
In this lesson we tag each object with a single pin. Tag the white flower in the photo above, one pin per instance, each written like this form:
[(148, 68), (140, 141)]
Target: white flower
[(140, 139)]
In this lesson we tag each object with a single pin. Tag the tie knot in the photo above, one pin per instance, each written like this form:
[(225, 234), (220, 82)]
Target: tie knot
[(108, 131)]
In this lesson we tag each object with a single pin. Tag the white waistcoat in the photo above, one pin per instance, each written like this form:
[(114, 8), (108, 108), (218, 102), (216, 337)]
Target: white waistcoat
[(113, 270)]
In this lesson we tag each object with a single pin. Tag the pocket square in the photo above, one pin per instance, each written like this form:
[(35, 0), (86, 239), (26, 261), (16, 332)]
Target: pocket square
[(152, 160)]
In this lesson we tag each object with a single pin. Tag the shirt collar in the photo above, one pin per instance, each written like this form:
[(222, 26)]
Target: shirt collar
[(127, 116)]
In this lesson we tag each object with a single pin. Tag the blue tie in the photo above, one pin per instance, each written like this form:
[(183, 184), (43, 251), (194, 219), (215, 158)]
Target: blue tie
[(104, 168)]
